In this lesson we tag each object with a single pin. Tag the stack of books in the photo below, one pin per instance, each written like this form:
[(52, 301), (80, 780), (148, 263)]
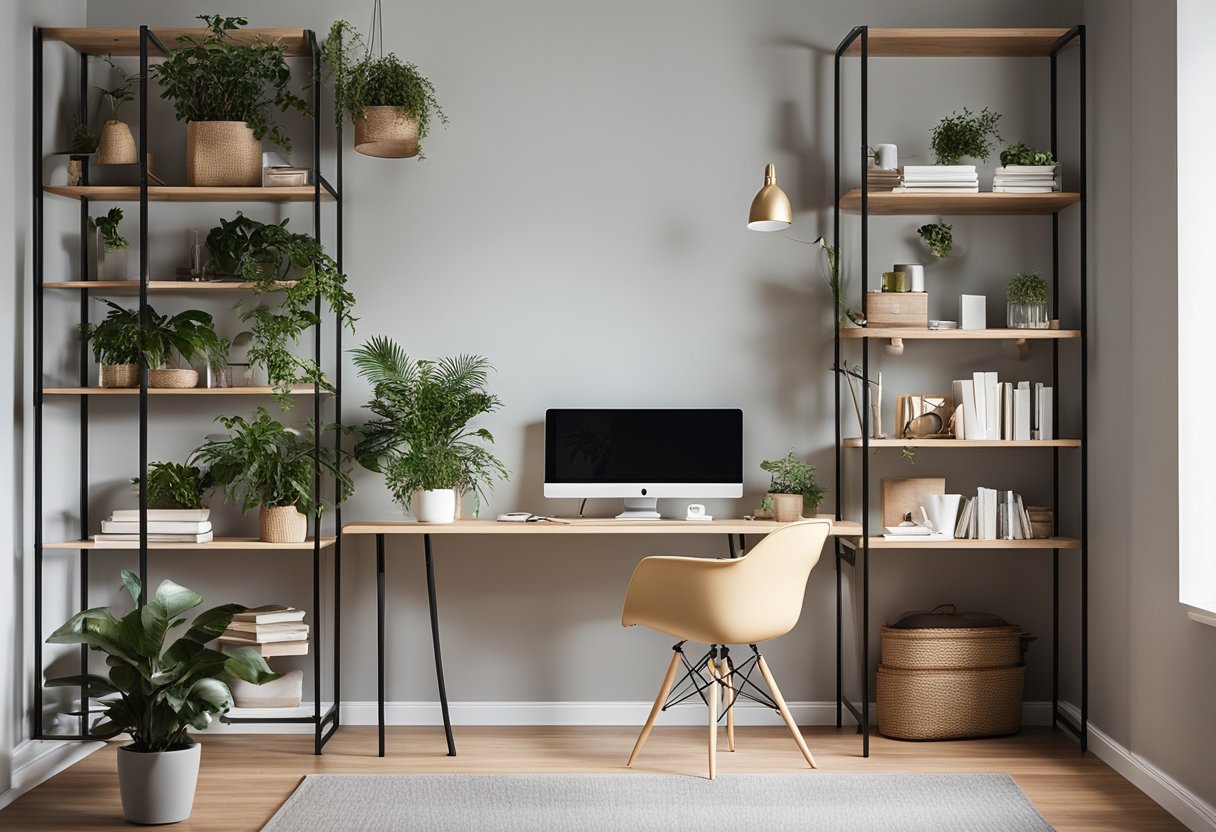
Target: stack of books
[(882, 179), (275, 630), (1026, 179), (940, 179), (987, 408), (172, 525), (994, 515)]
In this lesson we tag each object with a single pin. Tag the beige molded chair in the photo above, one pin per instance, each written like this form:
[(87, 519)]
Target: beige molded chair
[(722, 602)]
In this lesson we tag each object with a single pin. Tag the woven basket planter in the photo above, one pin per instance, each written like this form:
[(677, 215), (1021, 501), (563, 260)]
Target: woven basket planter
[(116, 145), (949, 704), (222, 154), (948, 649), (787, 507), (118, 375), (173, 379), (282, 524), (386, 132)]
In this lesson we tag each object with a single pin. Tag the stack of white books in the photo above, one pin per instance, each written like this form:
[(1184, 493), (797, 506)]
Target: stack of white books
[(987, 408), (165, 525), (1026, 179), (940, 179), (993, 515), (274, 629)]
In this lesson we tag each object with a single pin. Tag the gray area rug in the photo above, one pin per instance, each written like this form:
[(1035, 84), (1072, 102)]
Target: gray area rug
[(657, 803)]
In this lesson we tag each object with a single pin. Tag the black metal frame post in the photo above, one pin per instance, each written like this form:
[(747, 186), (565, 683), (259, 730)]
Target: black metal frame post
[(143, 311), (82, 113), (380, 639), (443, 691), (36, 373), (316, 405)]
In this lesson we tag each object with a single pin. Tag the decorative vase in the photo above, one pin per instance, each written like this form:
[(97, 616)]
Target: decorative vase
[(386, 132), (1027, 316), (158, 786), (116, 145), (222, 154), (787, 507), (282, 524), (438, 506), (118, 375), (165, 378), (112, 263)]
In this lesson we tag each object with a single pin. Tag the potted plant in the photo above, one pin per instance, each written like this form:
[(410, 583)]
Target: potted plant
[(117, 344), (112, 246), (227, 92), (172, 340), (174, 485), (390, 102), (117, 145), (421, 440), (793, 488), (81, 145), (265, 465), (937, 236), (962, 136), (156, 694), (1022, 154), (264, 254), (1026, 302)]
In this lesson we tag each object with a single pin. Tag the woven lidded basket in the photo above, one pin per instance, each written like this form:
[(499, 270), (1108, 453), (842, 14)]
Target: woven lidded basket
[(116, 145), (949, 704), (118, 375), (222, 154), (386, 132), (951, 648), (173, 379), (282, 524)]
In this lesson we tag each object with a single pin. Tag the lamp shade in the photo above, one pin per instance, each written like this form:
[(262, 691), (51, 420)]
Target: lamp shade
[(771, 209)]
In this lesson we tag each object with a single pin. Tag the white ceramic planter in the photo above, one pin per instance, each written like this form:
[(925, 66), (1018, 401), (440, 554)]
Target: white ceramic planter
[(158, 787), (437, 506)]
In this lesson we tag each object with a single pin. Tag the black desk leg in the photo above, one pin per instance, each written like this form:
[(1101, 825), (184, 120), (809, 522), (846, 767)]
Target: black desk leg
[(443, 692), (380, 637)]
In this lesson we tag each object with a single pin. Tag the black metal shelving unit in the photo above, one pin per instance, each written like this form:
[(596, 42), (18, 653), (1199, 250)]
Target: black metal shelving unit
[(865, 43), (143, 42)]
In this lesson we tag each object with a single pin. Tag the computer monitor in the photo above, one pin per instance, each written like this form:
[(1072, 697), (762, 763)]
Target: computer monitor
[(644, 454)]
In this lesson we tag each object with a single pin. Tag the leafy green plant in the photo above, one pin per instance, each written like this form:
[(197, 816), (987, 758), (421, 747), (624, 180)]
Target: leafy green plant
[(938, 237), (153, 693), (361, 80), (118, 95), (122, 339), (836, 282), (265, 464), (107, 227), (264, 254), (1021, 154), (174, 485), (1026, 288), (966, 135), (211, 77), (118, 339), (421, 439), (82, 140), (791, 475)]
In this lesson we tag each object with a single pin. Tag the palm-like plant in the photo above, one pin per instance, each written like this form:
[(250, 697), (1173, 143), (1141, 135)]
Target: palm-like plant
[(421, 439)]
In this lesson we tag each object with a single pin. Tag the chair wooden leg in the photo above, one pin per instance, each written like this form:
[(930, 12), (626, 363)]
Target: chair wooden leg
[(785, 711), (664, 690), (730, 694), (712, 698)]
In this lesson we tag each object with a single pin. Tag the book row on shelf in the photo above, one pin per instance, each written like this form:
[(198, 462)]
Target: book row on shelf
[(964, 179), (987, 408)]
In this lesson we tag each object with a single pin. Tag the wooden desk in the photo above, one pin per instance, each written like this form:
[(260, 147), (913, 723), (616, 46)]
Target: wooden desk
[(735, 532)]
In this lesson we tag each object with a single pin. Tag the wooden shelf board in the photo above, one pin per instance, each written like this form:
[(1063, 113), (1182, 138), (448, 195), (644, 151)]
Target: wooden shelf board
[(958, 43), (857, 333), (226, 543), (298, 390), (303, 710), (131, 287), (1037, 543), (181, 193), (986, 202), (590, 526), (125, 42), (855, 442)]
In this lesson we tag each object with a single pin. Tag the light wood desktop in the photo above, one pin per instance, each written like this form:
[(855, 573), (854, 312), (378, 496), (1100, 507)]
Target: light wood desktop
[(735, 532)]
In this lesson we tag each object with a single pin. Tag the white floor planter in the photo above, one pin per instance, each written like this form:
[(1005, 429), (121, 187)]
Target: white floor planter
[(437, 506), (158, 787)]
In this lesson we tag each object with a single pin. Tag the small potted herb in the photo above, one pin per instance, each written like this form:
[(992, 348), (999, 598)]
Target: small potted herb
[(969, 135), (174, 485), (81, 144), (937, 236), (117, 343), (1026, 301), (266, 465), (793, 488), (117, 145), (390, 102), (112, 246)]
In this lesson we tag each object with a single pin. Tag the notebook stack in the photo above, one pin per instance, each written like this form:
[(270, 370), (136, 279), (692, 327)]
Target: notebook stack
[(1026, 179), (940, 179), (165, 525), (275, 630), (882, 179)]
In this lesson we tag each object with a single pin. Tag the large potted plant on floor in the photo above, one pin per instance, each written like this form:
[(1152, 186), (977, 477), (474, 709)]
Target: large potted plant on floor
[(227, 91), (266, 465), (421, 440), (156, 694)]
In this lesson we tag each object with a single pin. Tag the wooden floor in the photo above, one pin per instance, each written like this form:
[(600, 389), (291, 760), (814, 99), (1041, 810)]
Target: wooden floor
[(245, 778)]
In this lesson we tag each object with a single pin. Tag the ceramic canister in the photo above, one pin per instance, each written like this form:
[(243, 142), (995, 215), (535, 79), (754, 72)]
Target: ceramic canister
[(915, 275)]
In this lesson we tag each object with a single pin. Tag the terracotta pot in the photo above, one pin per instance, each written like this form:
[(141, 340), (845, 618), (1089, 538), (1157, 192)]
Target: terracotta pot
[(222, 154), (116, 145), (119, 375), (438, 506), (787, 507), (282, 524), (173, 379), (158, 786), (386, 132)]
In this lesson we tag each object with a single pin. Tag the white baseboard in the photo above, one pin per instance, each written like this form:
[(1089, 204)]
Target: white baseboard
[(39, 760), (1192, 811)]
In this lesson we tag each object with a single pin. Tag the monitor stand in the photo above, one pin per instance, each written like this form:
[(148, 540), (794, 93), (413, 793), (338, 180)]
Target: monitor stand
[(640, 508)]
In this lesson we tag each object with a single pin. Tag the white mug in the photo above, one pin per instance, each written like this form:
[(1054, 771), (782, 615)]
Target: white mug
[(914, 274), (886, 157), (940, 512)]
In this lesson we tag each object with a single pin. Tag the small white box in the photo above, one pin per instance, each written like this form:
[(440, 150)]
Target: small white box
[(972, 312)]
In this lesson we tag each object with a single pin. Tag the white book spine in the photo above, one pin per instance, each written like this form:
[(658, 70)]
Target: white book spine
[(1047, 416)]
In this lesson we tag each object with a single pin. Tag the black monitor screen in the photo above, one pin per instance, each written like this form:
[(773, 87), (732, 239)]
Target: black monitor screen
[(644, 446)]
